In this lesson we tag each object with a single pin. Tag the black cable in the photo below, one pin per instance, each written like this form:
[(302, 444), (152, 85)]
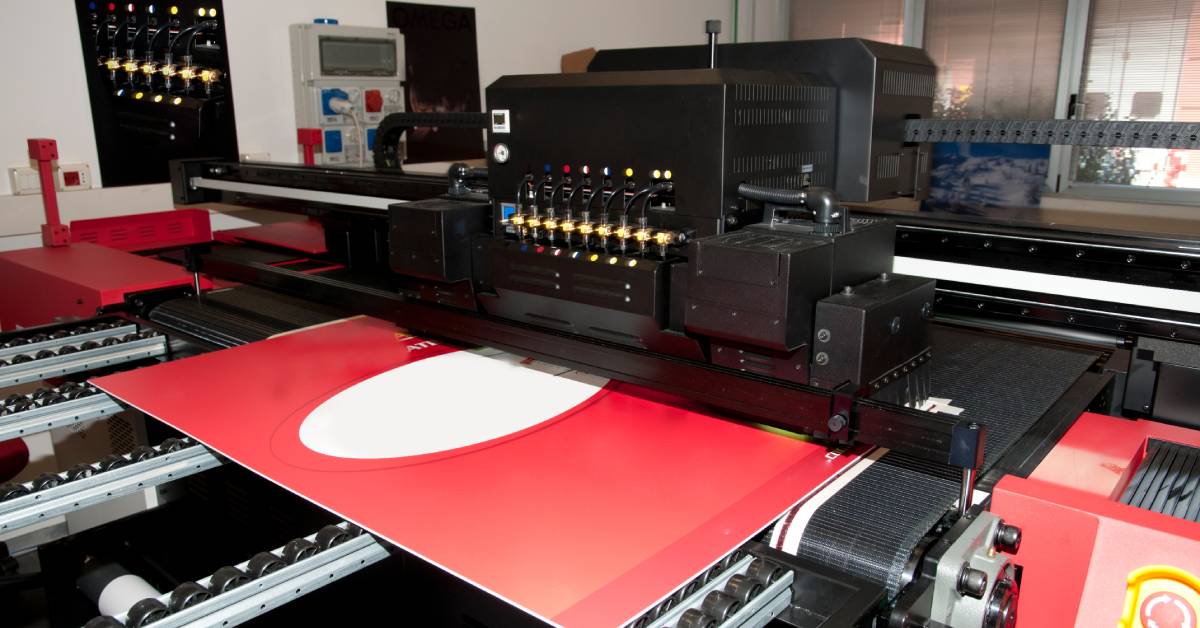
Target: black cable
[(608, 203), (122, 29), (521, 187), (189, 32), (165, 29), (577, 190), (646, 193), (771, 195), (96, 37), (175, 40), (822, 202), (200, 28), (555, 190), (139, 32), (537, 194), (587, 205), (634, 199), (657, 188)]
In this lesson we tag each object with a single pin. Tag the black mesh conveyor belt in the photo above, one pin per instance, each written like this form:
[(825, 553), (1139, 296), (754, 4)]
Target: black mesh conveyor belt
[(870, 526)]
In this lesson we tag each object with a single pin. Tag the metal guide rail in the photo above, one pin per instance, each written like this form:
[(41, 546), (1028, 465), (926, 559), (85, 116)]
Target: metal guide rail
[(1110, 133), (72, 350), (84, 485), (238, 593), (275, 186), (49, 408)]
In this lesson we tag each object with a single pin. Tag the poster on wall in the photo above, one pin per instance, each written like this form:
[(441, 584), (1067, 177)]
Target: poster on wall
[(441, 75), (986, 179)]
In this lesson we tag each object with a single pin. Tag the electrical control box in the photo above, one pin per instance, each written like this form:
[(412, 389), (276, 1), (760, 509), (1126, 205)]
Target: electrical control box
[(358, 64), (159, 87), (706, 130)]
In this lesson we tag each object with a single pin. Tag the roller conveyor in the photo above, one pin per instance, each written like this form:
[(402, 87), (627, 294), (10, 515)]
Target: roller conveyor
[(85, 485), (69, 350), (59, 338), (50, 408), (743, 590), (235, 594)]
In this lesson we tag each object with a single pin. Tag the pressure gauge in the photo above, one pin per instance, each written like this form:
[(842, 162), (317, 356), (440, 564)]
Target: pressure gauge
[(500, 153)]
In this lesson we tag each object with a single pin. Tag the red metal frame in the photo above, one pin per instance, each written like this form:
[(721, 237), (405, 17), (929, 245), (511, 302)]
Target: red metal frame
[(45, 151), (1082, 549), (310, 140), (46, 284), (145, 232)]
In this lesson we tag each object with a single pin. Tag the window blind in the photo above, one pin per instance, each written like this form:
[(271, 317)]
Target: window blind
[(1142, 62), (995, 58), (880, 20)]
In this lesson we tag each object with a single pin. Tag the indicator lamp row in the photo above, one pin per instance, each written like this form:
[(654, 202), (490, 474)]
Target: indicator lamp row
[(176, 100), (150, 8), (591, 257), (149, 68), (606, 171), (530, 226)]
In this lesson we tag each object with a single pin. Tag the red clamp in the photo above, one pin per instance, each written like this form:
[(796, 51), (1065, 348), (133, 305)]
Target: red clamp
[(45, 152), (310, 139)]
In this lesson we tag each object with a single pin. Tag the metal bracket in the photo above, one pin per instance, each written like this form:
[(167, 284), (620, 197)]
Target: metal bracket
[(842, 417), (966, 452)]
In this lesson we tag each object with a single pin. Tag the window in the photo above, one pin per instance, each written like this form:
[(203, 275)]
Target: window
[(995, 58), (1142, 62), (881, 20), (1118, 60)]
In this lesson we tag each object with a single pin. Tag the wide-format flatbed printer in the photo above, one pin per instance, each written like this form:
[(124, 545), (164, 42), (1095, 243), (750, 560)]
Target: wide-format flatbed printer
[(681, 219)]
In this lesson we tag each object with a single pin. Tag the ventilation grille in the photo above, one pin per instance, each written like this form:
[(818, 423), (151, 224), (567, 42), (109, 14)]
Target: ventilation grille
[(1166, 481), (786, 181), (907, 84), (782, 93), (887, 167), (763, 116), (785, 170), (779, 161)]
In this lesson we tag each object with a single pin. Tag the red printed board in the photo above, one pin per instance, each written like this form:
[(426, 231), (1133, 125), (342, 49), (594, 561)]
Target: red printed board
[(581, 501)]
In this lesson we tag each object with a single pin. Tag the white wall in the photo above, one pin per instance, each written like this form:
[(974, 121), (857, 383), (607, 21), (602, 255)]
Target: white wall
[(46, 94)]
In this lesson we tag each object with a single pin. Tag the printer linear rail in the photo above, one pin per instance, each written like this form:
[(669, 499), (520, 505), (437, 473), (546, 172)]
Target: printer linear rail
[(775, 402)]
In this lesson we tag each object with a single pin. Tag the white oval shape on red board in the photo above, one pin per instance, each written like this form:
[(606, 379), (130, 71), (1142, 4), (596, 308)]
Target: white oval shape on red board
[(439, 404)]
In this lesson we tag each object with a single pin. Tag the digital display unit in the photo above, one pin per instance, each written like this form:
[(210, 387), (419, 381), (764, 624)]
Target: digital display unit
[(357, 56)]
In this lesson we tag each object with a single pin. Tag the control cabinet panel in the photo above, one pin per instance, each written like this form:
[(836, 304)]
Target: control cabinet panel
[(347, 79), (158, 83), (706, 131)]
